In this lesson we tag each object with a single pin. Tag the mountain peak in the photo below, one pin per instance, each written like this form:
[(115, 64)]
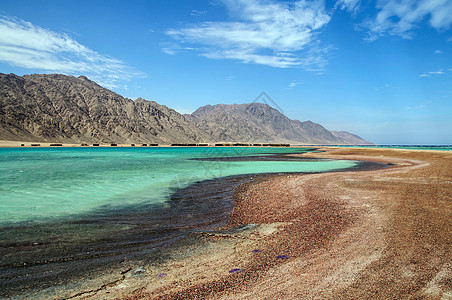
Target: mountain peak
[(259, 122), (84, 78)]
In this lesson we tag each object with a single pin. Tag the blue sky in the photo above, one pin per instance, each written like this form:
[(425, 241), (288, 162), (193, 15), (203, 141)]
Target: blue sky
[(381, 69)]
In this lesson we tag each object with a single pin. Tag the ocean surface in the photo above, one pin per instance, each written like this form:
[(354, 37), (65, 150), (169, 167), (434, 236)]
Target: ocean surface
[(64, 211)]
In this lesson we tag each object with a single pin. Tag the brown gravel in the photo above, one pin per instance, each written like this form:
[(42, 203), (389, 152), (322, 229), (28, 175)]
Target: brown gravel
[(382, 234)]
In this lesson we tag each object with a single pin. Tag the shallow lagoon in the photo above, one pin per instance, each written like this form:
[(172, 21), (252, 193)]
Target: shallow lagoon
[(47, 183), (69, 212)]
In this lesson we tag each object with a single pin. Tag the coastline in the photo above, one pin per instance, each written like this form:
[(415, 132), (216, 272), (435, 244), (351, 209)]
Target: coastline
[(205, 205), (375, 234), (329, 235)]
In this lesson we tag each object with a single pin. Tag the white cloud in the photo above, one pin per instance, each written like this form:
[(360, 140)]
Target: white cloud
[(294, 83), (420, 106), (28, 46), (438, 52), (432, 73), (267, 33), (348, 5), (170, 48), (399, 17), (384, 87), (197, 13)]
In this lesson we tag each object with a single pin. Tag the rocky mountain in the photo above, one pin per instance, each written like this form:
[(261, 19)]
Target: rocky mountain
[(60, 108), (350, 138), (258, 122)]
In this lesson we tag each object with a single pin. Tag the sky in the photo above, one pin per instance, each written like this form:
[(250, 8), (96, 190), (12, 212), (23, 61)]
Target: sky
[(381, 69)]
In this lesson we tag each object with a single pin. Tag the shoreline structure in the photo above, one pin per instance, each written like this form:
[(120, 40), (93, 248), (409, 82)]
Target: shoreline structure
[(375, 234)]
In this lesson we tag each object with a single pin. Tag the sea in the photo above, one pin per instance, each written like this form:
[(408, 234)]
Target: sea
[(67, 212)]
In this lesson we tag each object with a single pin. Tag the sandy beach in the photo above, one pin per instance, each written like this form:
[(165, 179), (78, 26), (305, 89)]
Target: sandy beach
[(344, 235)]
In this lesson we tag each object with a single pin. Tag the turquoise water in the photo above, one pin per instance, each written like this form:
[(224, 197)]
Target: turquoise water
[(42, 184), (69, 213)]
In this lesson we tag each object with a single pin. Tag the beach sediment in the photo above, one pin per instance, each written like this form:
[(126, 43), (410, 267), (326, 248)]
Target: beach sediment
[(377, 234)]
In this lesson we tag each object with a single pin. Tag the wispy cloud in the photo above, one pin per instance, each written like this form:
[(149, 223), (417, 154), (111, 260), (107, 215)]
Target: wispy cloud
[(28, 46), (294, 83), (384, 87), (438, 52), (400, 17), (276, 34), (432, 73), (197, 13), (348, 5), (419, 106)]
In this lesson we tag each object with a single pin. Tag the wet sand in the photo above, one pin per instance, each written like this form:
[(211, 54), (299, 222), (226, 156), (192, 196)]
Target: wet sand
[(376, 234)]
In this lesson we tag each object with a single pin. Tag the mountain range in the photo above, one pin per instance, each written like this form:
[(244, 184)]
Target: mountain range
[(61, 108)]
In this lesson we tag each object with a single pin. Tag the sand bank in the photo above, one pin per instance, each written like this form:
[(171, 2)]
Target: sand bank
[(355, 235)]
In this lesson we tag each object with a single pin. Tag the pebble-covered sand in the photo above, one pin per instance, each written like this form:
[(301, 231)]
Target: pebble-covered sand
[(383, 234)]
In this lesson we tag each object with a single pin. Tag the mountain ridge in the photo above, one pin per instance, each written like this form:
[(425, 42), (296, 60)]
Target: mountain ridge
[(265, 124), (62, 108)]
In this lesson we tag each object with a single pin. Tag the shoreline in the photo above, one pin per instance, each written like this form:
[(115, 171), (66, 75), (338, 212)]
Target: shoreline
[(207, 189), (28, 144), (376, 234), (301, 236)]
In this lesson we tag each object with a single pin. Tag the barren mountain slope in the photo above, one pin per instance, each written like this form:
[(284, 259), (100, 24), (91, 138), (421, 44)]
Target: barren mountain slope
[(64, 108)]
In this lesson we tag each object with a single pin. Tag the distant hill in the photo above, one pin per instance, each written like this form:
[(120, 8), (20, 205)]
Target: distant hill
[(258, 122), (350, 138), (60, 108)]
